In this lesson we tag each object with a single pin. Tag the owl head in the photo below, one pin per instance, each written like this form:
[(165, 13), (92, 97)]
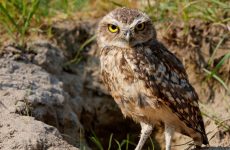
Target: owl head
[(125, 27)]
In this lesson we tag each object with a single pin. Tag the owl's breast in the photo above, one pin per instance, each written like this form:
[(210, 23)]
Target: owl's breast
[(116, 73), (129, 92)]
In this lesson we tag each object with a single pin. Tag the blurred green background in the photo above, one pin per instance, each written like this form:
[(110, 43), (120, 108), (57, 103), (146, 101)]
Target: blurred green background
[(20, 18)]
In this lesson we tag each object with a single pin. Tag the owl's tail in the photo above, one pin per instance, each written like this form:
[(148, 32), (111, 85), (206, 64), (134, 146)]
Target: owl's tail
[(205, 139)]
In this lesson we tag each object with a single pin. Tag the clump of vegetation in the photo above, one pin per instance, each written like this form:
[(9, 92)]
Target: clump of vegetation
[(20, 18), (215, 11), (125, 144), (17, 16)]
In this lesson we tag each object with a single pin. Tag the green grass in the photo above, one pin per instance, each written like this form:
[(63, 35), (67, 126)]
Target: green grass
[(17, 21), (215, 11), (19, 18), (212, 73), (123, 145)]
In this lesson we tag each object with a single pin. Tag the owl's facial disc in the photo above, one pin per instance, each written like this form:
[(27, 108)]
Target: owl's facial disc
[(125, 28)]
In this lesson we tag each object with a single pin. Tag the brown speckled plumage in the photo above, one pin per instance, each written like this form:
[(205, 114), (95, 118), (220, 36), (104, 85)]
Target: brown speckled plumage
[(145, 79)]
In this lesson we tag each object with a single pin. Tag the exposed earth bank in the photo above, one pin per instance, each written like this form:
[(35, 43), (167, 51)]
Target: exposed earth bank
[(46, 102)]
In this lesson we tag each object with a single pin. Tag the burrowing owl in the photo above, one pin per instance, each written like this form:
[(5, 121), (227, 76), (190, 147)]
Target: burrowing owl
[(146, 80)]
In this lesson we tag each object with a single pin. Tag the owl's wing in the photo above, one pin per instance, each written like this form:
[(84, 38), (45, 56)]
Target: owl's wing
[(162, 71)]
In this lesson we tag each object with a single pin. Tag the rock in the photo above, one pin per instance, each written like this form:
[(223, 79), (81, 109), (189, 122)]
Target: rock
[(71, 34), (28, 89), (23, 132), (48, 56)]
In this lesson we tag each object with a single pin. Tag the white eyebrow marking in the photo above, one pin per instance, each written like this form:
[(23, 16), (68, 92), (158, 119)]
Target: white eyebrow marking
[(123, 26), (138, 20), (111, 20)]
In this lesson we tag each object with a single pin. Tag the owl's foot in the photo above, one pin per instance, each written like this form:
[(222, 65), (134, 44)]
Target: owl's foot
[(146, 130), (168, 136)]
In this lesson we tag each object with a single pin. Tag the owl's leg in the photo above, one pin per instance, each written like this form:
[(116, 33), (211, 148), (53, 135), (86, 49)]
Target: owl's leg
[(168, 136), (146, 130)]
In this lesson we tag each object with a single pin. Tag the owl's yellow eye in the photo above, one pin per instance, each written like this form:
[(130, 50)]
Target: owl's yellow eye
[(140, 26), (112, 28)]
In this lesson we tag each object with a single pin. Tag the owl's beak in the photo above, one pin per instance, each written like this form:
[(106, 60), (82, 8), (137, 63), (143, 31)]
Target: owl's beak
[(127, 34)]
